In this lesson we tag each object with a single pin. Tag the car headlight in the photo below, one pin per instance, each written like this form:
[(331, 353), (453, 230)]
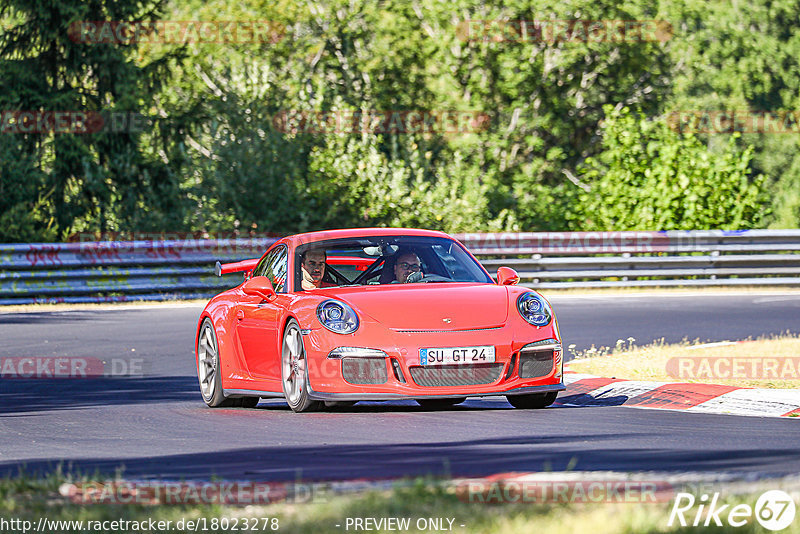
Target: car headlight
[(534, 309), (337, 317)]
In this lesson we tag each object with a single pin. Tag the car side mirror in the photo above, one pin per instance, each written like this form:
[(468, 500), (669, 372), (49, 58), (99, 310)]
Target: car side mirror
[(506, 276), (259, 286)]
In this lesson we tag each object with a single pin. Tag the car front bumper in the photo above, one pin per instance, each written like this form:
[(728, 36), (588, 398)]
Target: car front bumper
[(401, 362), (318, 395)]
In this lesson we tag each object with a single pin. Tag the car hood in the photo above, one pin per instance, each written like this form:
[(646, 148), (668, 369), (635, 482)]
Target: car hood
[(447, 306)]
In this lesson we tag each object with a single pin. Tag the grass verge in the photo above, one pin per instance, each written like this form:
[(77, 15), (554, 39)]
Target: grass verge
[(763, 363), (23, 499)]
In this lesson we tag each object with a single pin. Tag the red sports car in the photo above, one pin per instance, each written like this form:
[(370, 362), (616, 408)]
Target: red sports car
[(335, 317)]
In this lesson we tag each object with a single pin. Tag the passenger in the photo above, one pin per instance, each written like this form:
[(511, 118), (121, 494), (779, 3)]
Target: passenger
[(312, 268), (406, 264)]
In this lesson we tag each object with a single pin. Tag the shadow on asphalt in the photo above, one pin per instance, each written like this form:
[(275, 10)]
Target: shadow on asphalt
[(32, 395), (524, 440), (337, 462), (470, 458), (47, 318)]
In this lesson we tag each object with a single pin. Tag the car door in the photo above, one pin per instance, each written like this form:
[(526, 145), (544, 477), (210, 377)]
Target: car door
[(257, 321)]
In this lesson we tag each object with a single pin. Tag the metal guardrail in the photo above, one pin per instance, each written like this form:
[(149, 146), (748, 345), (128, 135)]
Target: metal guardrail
[(642, 259), (106, 271), (114, 271)]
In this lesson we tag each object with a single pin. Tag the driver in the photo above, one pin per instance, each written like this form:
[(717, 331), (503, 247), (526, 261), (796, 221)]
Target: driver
[(405, 265), (312, 268)]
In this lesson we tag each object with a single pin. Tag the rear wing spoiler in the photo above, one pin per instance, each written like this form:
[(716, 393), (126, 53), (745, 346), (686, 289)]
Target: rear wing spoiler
[(237, 267)]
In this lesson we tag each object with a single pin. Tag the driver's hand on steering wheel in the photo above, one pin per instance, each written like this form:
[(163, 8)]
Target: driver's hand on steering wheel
[(414, 277)]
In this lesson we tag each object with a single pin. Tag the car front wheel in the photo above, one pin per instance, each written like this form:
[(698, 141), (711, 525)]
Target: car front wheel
[(294, 371)]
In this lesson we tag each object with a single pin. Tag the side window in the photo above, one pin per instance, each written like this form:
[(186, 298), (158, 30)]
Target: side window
[(279, 268), (274, 266)]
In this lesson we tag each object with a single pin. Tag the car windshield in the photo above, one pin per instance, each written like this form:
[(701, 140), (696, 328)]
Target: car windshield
[(384, 260)]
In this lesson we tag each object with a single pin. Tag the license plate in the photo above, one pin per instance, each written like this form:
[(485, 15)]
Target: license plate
[(456, 355)]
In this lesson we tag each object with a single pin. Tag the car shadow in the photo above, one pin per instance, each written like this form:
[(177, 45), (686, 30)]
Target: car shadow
[(20, 395), (474, 404), (585, 400)]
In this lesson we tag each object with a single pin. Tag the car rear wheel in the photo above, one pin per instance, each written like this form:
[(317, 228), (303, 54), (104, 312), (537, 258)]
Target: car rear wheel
[(208, 371), (294, 371), (534, 401), (440, 404)]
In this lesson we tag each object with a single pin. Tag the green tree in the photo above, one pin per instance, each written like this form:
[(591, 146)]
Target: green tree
[(360, 184), (217, 160), (745, 57), (334, 56), (648, 177), (97, 181), (546, 91)]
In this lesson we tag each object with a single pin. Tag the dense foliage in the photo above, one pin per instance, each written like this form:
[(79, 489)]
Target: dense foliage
[(647, 176), (52, 182), (568, 130)]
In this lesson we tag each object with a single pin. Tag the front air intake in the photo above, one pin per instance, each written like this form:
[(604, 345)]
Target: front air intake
[(456, 375), (535, 364), (364, 371)]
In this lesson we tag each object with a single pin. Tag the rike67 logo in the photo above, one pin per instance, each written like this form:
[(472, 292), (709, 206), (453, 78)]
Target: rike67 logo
[(774, 510)]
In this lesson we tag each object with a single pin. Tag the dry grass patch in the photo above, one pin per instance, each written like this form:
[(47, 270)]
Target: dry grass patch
[(762, 363)]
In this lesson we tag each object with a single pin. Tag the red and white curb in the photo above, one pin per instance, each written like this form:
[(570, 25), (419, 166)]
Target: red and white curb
[(588, 390)]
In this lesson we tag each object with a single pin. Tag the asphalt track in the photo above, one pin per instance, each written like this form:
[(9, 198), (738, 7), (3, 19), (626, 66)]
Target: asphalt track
[(156, 426)]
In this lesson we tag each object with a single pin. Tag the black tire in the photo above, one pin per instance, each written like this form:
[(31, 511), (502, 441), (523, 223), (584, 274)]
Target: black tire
[(208, 365), (535, 401), (440, 404), (294, 371)]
